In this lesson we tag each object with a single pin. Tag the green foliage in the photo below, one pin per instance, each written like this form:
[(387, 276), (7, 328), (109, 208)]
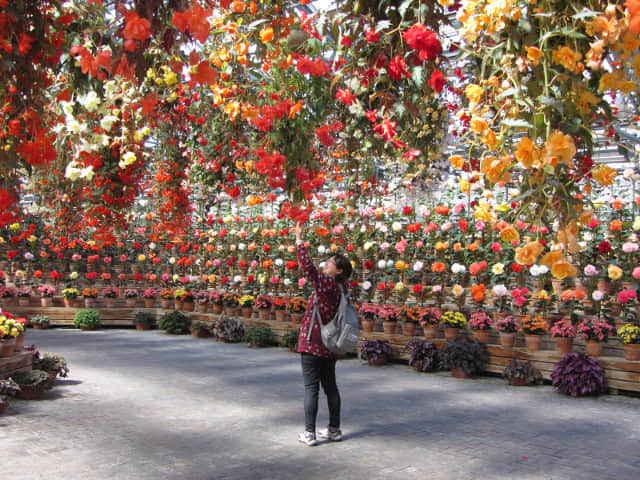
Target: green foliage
[(259, 336), (174, 322), (144, 318), (50, 362), (88, 318), (229, 330), (290, 339), (31, 377), (40, 319)]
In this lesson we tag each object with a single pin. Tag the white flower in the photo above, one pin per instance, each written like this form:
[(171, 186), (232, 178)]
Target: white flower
[(241, 246), (172, 260), (390, 263), (597, 295), (237, 279), (322, 249), (458, 268), (424, 210), (446, 226), (498, 269), (367, 246), (366, 285), (73, 275), (287, 281), (91, 101), (152, 246), (382, 264), (628, 173), (499, 290), (279, 262), (396, 226), (636, 223), (28, 256), (127, 159), (418, 266), (176, 277), (384, 246), (629, 247)]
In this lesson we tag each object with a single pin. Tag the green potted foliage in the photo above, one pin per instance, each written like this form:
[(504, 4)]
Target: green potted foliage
[(53, 364), (32, 384), (200, 329), (174, 322), (464, 356), (40, 321), (259, 336), (87, 319), (8, 388), (144, 321), (229, 331), (290, 340), (519, 373)]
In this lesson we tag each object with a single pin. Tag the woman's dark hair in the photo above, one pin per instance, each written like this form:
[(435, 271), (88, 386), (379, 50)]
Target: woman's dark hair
[(343, 264)]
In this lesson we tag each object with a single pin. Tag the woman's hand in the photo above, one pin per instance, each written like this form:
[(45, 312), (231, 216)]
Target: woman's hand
[(298, 231)]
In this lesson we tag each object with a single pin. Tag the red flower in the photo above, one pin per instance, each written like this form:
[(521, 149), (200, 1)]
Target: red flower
[(516, 267), (417, 289), (398, 68), (382, 286), (137, 28), (372, 36), (368, 264), (437, 81), (424, 40), (604, 247)]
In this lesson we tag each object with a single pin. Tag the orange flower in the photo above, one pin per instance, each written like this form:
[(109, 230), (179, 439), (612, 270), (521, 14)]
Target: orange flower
[(551, 257), (477, 292), (457, 247), (527, 153), (238, 6), (579, 294), (604, 175), (442, 209), (437, 267), (615, 226), (559, 148), (456, 161), (473, 246), (509, 234), (267, 264), (266, 35), (563, 269), (474, 269), (528, 254), (322, 232), (495, 169)]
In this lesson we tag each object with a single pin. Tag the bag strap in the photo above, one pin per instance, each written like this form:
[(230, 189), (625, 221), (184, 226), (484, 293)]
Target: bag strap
[(315, 316)]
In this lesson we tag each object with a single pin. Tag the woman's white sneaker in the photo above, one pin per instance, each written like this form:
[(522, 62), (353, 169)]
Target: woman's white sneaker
[(333, 434), (307, 438)]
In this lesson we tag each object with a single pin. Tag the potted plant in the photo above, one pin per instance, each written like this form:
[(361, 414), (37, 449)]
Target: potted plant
[(166, 298), (259, 336), (144, 321), (228, 330), (389, 313), (424, 355), (520, 373), (507, 328), (368, 314), (577, 374), (46, 295), (110, 294), (202, 300), (32, 383), (375, 352), (10, 330), (264, 304), (596, 332), (53, 364), (200, 329), (175, 322), (296, 307), (89, 294), (88, 319), (230, 302), (215, 298), (70, 295), (409, 316), (429, 320), (280, 307), (629, 335), (8, 388), (564, 333), (40, 321), (188, 298), (465, 357), (246, 303), (290, 340), (24, 295), (130, 297), (453, 322), (7, 293), (534, 328), (149, 296), (480, 323)]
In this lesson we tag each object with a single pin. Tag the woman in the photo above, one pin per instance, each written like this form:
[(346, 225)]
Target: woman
[(318, 363)]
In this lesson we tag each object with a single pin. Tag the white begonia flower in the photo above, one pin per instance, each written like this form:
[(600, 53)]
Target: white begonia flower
[(73, 170), (172, 260), (356, 109), (279, 262), (597, 295), (499, 290), (636, 223), (458, 268), (102, 139), (87, 172), (382, 264), (367, 246), (383, 228), (366, 285), (287, 281), (91, 101), (390, 263), (107, 122), (498, 269), (73, 275), (67, 108), (628, 173), (396, 226), (322, 249), (418, 266), (175, 277), (363, 229), (241, 246), (237, 279), (73, 126)]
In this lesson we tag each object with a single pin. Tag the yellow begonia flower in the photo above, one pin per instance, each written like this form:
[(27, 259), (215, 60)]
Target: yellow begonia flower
[(534, 54), (456, 161), (142, 257), (457, 290), (604, 175), (14, 226), (614, 272), (563, 269), (474, 93), (528, 254)]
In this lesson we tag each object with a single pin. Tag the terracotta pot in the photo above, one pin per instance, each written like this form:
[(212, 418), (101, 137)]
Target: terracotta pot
[(200, 333), (281, 315), (31, 392), (564, 344), (296, 318), (459, 373), (6, 347), (216, 309), (165, 304), (430, 332), (39, 326), (70, 302), (450, 333), (631, 351), (247, 312), (109, 302), (409, 329), (46, 301), (19, 343), (264, 314), (368, 324), (231, 311), (593, 348), (380, 360), (203, 307), (3, 406), (24, 301), (481, 335), (52, 378), (148, 302), (517, 382), (533, 342), (178, 305), (507, 339), (143, 326), (189, 306), (89, 302), (389, 327)]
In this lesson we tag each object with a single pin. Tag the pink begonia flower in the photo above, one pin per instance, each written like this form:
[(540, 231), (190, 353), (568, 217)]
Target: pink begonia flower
[(543, 229), (123, 258), (597, 295), (216, 263), (385, 246), (446, 226), (436, 288), (424, 211), (458, 208), (514, 243), (155, 260), (165, 277), (107, 259), (625, 296), (480, 225), (76, 257), (419, 244), (302, 282), (430, 227), (338, 229), (629, 247), (636, 273), (401, 246), (590, 270), (496, 247), (184, 280), (253, 263), (275, 280)]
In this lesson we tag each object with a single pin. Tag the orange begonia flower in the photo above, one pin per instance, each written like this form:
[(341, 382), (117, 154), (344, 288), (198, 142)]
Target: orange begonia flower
[(563, 269), (509, 234), (528, 254)]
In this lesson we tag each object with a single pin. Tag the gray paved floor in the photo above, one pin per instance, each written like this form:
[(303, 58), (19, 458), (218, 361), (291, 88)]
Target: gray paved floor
[(145, 405)]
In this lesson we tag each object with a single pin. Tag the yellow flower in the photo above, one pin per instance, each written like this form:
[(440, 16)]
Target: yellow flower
[(528, 254), (457, 290), (400, 265), (509, 234), (441, 246), (142, 257), (266, 35), (14, 226), (559, 147), (478, 124), (566, 57), (483, 212), (474, 93), (563, 269), (490, 140), (604, 175), (534, 54), (465, 185), (614, 272), (527, 153), (585, 99), (494, 169)]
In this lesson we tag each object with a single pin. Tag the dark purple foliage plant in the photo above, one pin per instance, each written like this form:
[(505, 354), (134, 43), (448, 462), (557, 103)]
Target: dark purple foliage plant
[(577, 374)]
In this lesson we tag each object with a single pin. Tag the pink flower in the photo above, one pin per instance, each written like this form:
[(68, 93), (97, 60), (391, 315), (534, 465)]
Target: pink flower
[(480, 225), (419, 244), (496, 247), (123, 258), (253, 263), (458, 208), (338, 229), (446, 226), (590, 270), (302, 282), (165, 277), (107, 259), (636, 273), (216, 262), (401, 246)]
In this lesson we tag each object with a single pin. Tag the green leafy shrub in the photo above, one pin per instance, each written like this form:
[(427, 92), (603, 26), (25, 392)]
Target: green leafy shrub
[(40, 319), (290, 339), (229, 330), (88, 318), (174, 322), (144, 318), (259, 336)]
